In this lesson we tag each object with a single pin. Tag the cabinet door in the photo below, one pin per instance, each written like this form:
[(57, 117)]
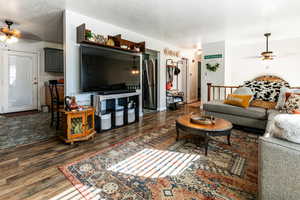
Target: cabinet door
[(60, 61), (90, 123), (54, 60), (76, 125)]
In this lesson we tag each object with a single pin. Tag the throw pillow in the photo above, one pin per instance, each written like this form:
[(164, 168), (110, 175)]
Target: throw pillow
[(266, 90), (296, 111), (244, 91), (288, 94), (238, 100), (282, 97), (263, 104), (292, 103)]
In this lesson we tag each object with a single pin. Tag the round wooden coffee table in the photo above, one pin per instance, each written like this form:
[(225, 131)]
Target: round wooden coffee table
[(222, 127)]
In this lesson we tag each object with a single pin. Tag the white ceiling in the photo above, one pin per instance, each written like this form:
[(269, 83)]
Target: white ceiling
[(180, 22)]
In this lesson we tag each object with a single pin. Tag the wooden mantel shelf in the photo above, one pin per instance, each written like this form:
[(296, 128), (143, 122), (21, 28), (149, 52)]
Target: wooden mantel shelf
[(81, 39)]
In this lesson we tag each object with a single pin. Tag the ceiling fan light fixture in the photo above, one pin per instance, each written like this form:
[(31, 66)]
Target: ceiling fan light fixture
[(2, 37), (9, 35), (11, 39)]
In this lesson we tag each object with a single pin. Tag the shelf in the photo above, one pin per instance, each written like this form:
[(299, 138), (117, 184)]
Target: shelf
[(111, 47), (81, 39)]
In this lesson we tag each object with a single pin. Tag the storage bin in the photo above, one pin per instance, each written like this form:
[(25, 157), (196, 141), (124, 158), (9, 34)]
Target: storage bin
[(120, 118), (119, 108), (131, 115), (106, 121)]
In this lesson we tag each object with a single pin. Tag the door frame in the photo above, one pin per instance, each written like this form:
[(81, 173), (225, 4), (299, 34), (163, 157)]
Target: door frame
[(157, 81), (4, 80), (199, 79)]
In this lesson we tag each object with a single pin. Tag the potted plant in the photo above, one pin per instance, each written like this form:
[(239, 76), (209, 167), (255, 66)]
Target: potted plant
[(88, 35), (212, 68)]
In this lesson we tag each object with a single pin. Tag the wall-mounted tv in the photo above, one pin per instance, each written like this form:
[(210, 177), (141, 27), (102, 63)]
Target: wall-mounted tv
[(107, 71)]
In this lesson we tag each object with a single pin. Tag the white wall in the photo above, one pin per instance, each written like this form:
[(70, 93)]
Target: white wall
[(241, 64), (218, 77), (36, 47), (72, 20)]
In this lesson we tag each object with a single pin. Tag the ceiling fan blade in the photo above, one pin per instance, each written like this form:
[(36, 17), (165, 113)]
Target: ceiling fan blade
[(289, 54), (30, 36), (252, 57)]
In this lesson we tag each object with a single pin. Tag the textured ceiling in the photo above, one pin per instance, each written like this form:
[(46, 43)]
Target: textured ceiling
[(180, 22)]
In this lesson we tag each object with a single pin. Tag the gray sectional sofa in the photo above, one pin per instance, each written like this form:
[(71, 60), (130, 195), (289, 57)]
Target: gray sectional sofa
[(279, 160), (254, 117)]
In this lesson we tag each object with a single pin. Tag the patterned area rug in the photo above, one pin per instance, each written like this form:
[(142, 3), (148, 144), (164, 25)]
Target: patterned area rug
[(155, 166), (25, 128)]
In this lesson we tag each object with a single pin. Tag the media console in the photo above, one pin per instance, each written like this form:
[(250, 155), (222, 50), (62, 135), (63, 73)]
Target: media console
[(116, 110)]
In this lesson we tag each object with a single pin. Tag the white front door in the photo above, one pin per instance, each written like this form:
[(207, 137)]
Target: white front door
[(20, 81)]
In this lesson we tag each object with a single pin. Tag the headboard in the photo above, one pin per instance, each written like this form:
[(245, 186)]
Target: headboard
[(269, 78), (221, 91)]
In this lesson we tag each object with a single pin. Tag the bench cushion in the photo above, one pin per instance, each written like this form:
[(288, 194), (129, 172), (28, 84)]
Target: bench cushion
[(250, 112)]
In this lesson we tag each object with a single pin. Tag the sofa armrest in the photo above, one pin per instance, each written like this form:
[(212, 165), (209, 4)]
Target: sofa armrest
[(279, 163)]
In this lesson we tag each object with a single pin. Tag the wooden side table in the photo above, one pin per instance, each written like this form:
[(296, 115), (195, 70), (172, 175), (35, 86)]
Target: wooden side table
[(221, 127), (78, 125)]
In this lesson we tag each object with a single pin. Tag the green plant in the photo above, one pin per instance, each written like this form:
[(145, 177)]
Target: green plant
[(88, 34), (212, 68)]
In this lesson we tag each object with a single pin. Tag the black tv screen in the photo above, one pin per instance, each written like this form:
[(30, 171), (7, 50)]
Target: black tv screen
[(105, 70)]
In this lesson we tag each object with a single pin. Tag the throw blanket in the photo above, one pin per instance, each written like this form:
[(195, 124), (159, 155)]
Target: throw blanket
[(287, 126)]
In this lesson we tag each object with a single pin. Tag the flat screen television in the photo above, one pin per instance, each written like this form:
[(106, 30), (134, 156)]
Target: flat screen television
[(107, 71)]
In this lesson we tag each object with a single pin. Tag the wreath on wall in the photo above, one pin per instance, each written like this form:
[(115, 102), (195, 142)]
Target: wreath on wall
[(212, 68)]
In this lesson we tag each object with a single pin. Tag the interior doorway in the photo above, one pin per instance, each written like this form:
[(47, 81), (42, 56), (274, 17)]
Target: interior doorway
[(20, 82), (199, 82)]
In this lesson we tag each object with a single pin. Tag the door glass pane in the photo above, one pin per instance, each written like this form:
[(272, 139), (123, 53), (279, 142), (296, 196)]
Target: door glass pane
[(20, 81), (76, 124)]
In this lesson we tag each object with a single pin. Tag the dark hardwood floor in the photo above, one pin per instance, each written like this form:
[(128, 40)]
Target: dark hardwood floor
[(30, 171)]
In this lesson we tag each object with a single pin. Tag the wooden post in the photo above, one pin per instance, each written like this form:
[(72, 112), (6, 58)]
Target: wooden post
[(209, 91)]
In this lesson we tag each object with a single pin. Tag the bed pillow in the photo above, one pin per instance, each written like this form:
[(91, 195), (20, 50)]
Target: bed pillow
[(238, 100)]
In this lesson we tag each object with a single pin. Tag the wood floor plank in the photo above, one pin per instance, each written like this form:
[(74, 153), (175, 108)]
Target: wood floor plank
[(31, 171)]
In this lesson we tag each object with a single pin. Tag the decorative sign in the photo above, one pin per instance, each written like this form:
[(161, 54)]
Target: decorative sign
[(213, 56), (169, 52)]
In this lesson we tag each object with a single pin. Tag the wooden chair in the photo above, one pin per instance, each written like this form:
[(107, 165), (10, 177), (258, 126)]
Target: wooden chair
[(56, 104)]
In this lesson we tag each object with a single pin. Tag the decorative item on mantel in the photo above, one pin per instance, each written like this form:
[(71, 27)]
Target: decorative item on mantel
[(85, 36), (110, 42)]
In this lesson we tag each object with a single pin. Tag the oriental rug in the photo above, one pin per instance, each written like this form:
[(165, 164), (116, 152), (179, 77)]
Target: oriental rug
[(155, 166)]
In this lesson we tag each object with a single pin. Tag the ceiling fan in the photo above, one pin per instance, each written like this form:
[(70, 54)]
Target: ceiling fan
[(9, 35), (267, 55)]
